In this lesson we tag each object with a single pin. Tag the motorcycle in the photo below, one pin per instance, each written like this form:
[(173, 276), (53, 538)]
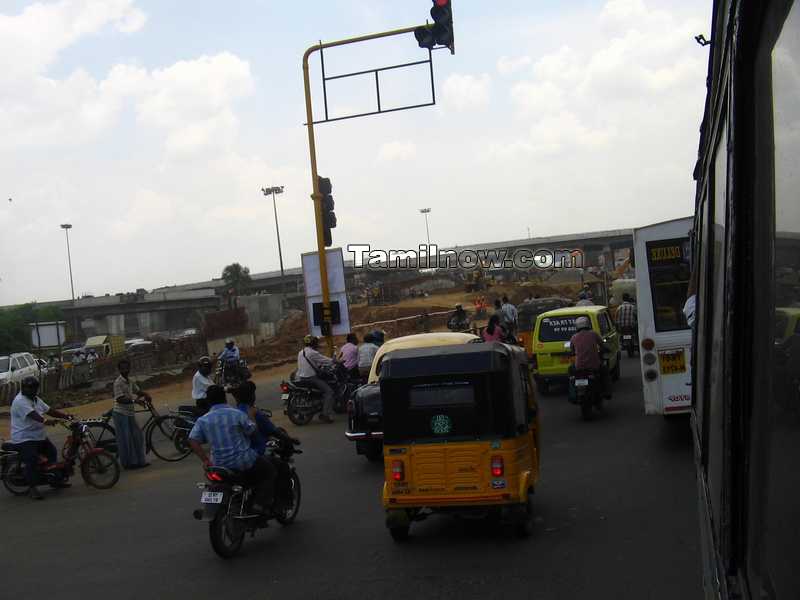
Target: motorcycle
[(98, 467), (629, 341), (232, 372), (302, 401), (588, 389), (226, 502), (459, 322)]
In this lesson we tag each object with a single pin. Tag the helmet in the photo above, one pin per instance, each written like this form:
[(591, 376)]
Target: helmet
[(459, 307), (310, 340), (379, 335), (582, 296), (204, 360), (230, 341), (583, 323)]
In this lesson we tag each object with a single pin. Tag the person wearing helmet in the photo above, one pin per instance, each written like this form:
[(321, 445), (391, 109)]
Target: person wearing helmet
[(28, 434), (586, 344), (201, 383), (378, 337), (310, 364), (231, 352)]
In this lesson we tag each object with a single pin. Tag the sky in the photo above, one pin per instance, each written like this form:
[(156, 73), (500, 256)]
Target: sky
[(152, 125)]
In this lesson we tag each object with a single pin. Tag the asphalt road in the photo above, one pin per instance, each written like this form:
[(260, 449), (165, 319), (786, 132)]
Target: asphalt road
[(616, 518)]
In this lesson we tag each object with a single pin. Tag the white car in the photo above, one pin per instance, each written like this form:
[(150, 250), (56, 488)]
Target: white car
[(17, 367)]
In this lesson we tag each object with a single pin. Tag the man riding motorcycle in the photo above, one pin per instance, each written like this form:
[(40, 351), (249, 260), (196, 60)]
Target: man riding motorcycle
[(459, 320), (587, 346), (200, 384), (28, 433), (310, 364), (228, 431)]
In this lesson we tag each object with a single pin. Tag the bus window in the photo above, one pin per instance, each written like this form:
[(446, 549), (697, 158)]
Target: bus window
[(783, 477), (668, 264)]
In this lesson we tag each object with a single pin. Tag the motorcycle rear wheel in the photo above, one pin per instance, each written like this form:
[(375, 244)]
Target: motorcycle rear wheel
[(586, 407), (297, 417), (14, 479), (226, 535)]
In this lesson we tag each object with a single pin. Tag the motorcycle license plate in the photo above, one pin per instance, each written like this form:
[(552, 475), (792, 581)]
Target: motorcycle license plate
[(284, 397), (581, 382), (211, 498), (627, 337), (672, 361)]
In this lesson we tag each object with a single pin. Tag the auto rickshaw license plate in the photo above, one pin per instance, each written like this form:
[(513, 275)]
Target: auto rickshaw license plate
[(672, 361)]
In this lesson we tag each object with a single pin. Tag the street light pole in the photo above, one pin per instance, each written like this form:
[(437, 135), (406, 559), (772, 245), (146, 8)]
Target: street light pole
[(277, 190), (66, 227), (426, 212)]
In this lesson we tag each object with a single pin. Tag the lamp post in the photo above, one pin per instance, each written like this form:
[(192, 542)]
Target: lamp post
[(426, 212), (66, 227), (277, 190)]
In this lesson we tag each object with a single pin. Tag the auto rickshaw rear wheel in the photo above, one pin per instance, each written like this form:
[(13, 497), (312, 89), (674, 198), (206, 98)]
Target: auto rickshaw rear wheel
[(399, 534), (524, 526)]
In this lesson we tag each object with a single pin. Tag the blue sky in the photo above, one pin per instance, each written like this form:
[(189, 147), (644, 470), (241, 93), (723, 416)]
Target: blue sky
[(152, 125)]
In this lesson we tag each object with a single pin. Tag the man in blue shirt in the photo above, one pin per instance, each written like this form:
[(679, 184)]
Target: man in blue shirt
[(228, 431), (245, 396)]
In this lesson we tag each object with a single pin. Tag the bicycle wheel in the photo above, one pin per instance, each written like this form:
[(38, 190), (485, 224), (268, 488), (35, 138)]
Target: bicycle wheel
[(168, 438), (102, 436), (100, 470)]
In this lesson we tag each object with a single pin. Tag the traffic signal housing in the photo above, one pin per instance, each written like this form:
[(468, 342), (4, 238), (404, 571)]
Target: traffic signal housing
[(440, 33), (328, 216)]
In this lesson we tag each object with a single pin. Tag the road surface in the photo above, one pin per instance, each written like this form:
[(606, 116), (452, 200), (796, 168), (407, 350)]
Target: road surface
[(615, 518)]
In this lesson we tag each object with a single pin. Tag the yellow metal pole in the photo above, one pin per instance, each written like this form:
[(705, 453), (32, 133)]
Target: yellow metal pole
[(312, 150)]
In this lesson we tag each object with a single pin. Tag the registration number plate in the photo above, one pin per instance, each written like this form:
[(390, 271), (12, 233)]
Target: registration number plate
[(627, 337), (581, 382), (672, 361), (211, 498), (284, 397)]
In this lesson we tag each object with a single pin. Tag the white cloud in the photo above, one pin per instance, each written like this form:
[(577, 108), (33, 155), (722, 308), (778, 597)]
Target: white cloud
[(467, 92), (507, 65), (536, 98), (397, 151)]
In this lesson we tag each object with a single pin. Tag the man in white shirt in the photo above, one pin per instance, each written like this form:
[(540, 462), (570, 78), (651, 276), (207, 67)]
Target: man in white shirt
[(201, 383), (366, 354), (310, 363), (28, 431)]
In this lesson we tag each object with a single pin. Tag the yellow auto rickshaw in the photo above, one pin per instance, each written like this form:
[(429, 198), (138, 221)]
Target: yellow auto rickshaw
[(461, 434)]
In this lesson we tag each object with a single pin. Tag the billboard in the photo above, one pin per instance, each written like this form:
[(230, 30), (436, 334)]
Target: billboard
[(336, 287)]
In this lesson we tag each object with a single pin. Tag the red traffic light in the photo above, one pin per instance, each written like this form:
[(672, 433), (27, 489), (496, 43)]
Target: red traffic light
[(441, 2)]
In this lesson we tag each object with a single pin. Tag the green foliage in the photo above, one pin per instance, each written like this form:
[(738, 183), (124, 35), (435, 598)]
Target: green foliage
[(15, 333), (237, 278)]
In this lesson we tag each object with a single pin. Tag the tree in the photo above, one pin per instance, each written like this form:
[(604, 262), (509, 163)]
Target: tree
[(15, 331), (237, 278)]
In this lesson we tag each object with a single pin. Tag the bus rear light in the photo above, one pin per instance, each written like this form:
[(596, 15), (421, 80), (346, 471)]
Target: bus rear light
[(497, 466), (649, 358), (651, 375), (398, 470), (648, 344)]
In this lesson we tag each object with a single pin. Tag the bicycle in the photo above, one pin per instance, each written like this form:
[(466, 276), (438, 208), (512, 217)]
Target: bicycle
[(166, 435)]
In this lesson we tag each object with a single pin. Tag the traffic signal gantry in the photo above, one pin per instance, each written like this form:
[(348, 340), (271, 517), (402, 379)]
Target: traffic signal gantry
[(431, 37)]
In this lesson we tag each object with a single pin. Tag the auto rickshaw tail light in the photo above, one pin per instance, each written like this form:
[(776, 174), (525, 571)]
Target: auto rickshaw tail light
[(648, 344), (398, 470), (497, 466), (285, 387)]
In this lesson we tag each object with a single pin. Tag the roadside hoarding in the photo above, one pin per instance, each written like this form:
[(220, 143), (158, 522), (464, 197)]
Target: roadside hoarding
[(336, 285)]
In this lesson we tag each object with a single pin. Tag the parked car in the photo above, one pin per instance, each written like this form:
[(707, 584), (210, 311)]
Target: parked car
[(365, 409), (16, 367), (141, 347)]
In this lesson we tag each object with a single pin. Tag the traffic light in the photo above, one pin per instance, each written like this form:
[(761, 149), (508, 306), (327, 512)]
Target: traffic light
[(441, 32), (328, 216)]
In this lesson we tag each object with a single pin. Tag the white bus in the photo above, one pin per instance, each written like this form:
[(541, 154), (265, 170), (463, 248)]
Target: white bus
[(662, 255)]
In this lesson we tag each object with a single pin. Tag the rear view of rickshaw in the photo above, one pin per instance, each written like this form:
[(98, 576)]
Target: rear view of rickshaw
[(461, 435)]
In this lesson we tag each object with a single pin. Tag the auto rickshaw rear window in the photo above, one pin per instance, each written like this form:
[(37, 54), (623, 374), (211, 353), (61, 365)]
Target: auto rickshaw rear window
[(443, 409), (556, 329)]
